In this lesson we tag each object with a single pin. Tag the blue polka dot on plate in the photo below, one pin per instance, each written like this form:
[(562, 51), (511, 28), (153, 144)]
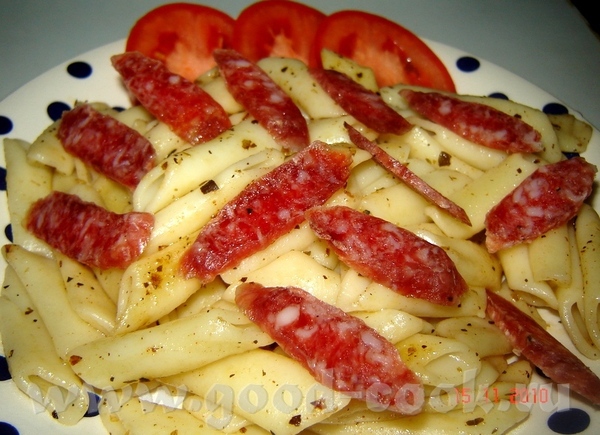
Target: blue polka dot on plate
[(6, 125), (569, 421), (79, 70), (499, 95), (555, 109), (467, 64), (8, 232), (2, 178), (92, 410), (4, 373), (56, 109), (8, 429)]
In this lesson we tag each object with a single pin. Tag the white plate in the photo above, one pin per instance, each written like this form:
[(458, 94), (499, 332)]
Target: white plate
[(27, 110)]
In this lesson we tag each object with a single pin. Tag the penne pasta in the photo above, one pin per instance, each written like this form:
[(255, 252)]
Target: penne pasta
[(587, 234), (554, 269), (26, 183), (571, 304), (184, 171), (43, 282), (86, 295), (519, 276), (166, 349), (34, 365), (266, 388)]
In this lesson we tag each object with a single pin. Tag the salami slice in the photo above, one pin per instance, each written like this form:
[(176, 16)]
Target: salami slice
[(339, 350), (267, 209), (545, 200), (476, 122), (389, 255), (263, 99), (187, 109), (366, 106), (536, 344), (89, 233), (407, 176), (107, 145)]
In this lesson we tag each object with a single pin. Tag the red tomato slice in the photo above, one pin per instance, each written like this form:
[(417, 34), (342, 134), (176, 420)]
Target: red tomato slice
[(276, 28), (183, 36), (395, 54)]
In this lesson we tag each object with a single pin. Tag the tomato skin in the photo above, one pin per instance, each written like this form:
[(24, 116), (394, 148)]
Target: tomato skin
[(280, 28), (395, 54), (183, 36)]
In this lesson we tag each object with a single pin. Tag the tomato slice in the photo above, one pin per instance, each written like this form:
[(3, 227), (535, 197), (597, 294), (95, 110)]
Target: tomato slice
[(395, 54), (276, 28), (183, 36)]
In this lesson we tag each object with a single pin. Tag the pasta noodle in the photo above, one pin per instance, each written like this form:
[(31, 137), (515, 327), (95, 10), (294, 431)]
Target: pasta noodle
[(571, 304), (265, 388), (170, 354), (35, 366), (28, 184), (44, 284), (183, 171), (587, 234), (165, 349)]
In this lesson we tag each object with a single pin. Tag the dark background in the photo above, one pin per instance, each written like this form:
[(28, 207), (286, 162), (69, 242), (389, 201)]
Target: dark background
[(592, 16)]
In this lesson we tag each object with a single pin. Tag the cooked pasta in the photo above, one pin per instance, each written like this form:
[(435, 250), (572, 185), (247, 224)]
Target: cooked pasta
[(199, 364)]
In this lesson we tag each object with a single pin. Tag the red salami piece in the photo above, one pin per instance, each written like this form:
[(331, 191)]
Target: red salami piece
[(407, 176), (263, 99), (339, 350), (187, 109), (542, 349), (89, 233), (267, 209), (389, 255), (107, 145), (545, 200), (364, 105), (476, 122)]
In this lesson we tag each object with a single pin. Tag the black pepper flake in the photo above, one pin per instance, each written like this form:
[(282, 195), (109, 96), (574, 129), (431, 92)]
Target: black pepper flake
[(444, 159), (55, 414), (475, 421), (247, 144), (296, 420), (209, 186)]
